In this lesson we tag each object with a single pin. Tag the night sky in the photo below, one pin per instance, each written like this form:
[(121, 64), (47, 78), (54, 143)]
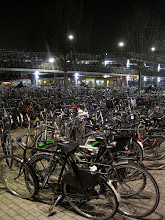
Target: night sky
[(24, 26)]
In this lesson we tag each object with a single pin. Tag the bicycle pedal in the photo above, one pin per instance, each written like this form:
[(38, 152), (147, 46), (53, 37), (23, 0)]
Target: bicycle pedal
[(51, 214)]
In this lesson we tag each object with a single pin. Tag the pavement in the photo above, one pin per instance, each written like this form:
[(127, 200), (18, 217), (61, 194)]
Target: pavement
[(12, 207)]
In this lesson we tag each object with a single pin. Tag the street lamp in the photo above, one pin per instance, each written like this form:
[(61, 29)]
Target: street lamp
[(70, 37), (153, 49), (51, 60), (121, 45)]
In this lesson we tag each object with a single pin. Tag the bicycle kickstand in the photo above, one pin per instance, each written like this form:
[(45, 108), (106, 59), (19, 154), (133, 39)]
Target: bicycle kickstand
[(52, 206)]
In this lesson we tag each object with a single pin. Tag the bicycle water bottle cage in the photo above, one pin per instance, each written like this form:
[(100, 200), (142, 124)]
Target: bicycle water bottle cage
[(68, 147)]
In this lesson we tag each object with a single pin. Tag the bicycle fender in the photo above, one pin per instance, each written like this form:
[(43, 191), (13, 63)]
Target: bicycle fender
[(141, 145), (114, 190)]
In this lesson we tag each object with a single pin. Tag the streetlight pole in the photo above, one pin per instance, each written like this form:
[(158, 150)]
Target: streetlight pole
[(71, 39), (51, 60), (153, 49), (121, 45)]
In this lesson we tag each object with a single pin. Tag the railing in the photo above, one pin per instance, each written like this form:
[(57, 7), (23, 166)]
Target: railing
[(36, 60)]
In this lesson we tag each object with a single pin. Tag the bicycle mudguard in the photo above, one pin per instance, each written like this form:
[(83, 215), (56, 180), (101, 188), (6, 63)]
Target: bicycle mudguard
[(141, 145), (109, 182), (82, 180), (153, 136)]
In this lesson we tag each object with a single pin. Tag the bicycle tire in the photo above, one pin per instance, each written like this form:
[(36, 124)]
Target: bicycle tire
[(138, 189), (154, 149), (18, 177), (41, 163), (101, 203), (138, 150), (40, 138), (6, 143)]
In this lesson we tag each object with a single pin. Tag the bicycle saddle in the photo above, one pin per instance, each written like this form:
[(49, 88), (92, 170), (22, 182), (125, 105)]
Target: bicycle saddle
[(68, 147)]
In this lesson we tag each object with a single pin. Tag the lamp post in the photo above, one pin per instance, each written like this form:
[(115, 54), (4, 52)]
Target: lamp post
[(121, 45), (51, 60), (71, 37), (153, 49)]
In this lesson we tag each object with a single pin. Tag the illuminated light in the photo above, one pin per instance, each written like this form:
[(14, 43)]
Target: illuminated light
[(145, 78), (76, 78), (159, 68), (51, 60), (105, 76), (121, 44), (107, 62), (71, 37), (153, 48), (76, 75), (37, 74), (5, 82), (128, 78), (128, 63), (159, 79)]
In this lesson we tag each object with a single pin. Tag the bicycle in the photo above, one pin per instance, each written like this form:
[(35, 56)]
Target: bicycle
[(6, 141), (84, 190), (135, 185)]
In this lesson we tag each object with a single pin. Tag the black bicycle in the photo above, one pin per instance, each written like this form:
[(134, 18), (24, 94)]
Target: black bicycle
[(89, 192)]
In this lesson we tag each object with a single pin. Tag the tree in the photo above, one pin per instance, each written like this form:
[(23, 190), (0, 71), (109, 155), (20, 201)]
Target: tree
[(142, 33), (67, 17)]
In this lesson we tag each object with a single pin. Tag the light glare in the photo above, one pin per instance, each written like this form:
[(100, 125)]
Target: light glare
[(153, 48), (51, 60), (76, 75), (71, 37), (37, 74), (121, 44)]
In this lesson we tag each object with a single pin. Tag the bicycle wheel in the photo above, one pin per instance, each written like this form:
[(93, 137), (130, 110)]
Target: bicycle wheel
[(7, 144), (97, 202), (138, 189), (135, 148), (154, 152), (17, 177), (42, 165), (43, 137)]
